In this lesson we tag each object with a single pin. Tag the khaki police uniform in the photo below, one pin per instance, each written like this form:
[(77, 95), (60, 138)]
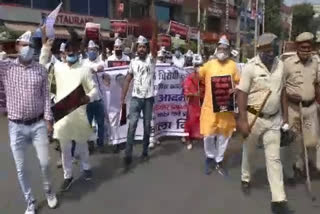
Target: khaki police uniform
[(256, 80), (300, 80)]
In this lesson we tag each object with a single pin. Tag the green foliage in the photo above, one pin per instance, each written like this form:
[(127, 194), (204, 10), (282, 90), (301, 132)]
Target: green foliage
[(302, 19), (273, 17)]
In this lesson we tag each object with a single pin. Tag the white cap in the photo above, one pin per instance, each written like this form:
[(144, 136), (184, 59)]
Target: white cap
[(223, 40), (118, 42), (142, 40), (163, 48), (197, 59), (235, 53), (92, 44), (26, 37), (189, 53), (63, 47), (161, 53)]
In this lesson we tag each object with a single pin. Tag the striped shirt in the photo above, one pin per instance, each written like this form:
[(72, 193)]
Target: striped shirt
[(26, 89)]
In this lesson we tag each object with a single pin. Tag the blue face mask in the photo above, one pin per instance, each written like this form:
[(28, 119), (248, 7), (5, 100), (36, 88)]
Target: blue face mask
[(92, 55), (72, 59)]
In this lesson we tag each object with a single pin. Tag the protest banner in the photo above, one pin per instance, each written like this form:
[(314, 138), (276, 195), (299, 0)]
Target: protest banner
[(221, 99), (93, 31), (176, 28), (112, 64), (120, 27), (170, 108)]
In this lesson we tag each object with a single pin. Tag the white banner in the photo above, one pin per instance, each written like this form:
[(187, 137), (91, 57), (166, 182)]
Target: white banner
[(51, 19), (169, 111)]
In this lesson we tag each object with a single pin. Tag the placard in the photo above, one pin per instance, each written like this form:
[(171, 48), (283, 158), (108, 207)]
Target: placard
[(112, 64), (221, 99), (120, 27), (178, 28), (93, 31)]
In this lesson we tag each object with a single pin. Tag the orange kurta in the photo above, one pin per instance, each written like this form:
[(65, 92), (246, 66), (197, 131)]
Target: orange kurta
[(216, 123)]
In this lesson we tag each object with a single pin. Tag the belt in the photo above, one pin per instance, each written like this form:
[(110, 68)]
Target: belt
[(28, 122), (306, 104), (261, 115)]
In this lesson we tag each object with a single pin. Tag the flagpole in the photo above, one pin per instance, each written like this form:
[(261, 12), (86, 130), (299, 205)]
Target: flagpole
[(199, 26)]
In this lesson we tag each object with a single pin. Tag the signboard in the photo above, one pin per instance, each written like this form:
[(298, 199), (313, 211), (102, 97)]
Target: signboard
[(164, 40), (178, 28), (28, 15), (120, 27), (193, 33), (112, 64), (221, 99)]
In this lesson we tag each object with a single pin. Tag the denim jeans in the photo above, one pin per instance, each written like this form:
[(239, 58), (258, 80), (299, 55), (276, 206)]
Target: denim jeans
[(95, 110), (136, 106), (22, 136)]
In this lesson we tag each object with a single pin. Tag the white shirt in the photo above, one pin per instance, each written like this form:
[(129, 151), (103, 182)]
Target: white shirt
[(113, 57), (178, 62), (143, 72), (94, 66)]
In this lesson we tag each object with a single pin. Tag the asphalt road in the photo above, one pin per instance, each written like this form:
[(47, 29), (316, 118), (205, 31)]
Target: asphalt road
[(172, 182)]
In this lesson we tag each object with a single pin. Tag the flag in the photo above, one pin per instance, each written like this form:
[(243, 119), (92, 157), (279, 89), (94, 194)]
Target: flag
[(51, 19)]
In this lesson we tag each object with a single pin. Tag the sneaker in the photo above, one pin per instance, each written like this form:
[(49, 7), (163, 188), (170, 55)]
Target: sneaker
[(280, 208), (52, 200), (66, 184), (87, 174), (151, 145), (221, 169), (245, 187), (189, 147), (31, 209)]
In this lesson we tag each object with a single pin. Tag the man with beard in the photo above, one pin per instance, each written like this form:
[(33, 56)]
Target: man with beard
[(75, 125), (302, 85), (141, 71), (216, 127), (262, 74)]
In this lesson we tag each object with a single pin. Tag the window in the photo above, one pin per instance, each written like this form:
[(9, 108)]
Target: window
[(99, 8), (79, 6), (163, 13), (46, 5)]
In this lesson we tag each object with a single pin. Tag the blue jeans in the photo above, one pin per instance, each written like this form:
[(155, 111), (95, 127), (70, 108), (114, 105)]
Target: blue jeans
[(136, 106), (22, 136), (95, 110)]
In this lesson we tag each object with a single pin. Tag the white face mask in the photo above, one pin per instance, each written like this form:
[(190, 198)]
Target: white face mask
[(26, 53), (221, 56)]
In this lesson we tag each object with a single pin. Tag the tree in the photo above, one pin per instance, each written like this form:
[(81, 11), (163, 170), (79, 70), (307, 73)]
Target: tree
[(273, 17), (302, 19)]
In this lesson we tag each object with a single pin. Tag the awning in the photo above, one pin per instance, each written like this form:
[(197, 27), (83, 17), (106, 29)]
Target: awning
[(61, 32)]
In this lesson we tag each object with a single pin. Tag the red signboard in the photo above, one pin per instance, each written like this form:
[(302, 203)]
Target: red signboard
[(164, 40), (178, 28), (222, 101), (120, 27)]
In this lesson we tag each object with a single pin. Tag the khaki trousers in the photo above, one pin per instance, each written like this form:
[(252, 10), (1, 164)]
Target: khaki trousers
[(293, 154), (269, 133)]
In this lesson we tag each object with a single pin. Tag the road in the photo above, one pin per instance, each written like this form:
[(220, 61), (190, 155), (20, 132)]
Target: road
[(172, 182)]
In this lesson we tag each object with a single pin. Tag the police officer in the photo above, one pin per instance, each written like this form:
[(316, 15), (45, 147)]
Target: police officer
[(302, 83), (262, 74)]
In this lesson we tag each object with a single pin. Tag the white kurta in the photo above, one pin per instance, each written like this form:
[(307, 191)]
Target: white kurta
[(74, 126)]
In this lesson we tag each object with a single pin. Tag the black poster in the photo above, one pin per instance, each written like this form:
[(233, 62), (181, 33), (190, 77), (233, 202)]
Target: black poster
[(112, 64), (222, 100), (68, 104)]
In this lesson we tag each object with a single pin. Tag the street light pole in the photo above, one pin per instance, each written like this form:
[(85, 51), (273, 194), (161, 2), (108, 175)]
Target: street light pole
[(199, 25), (256, 30)]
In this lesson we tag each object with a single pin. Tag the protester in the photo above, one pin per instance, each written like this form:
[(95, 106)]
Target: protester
[(161, 56), (118, 52), (216, 127), (127, 51), (141, 71), (194, 97), (188, 59), (178, 58), (302, 85), (96, 109), (29, 116), (75, 125), (262, 74)]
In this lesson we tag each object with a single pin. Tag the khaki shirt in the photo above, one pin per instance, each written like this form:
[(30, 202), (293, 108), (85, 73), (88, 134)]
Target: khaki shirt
[(257, 80), (301, 78)]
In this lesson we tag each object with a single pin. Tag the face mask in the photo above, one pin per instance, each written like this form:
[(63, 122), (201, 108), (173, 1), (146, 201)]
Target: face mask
[(177, 54), (92, 55), (267, 58), (221, 56), (26, 53), (118, 52), (72, 58)]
